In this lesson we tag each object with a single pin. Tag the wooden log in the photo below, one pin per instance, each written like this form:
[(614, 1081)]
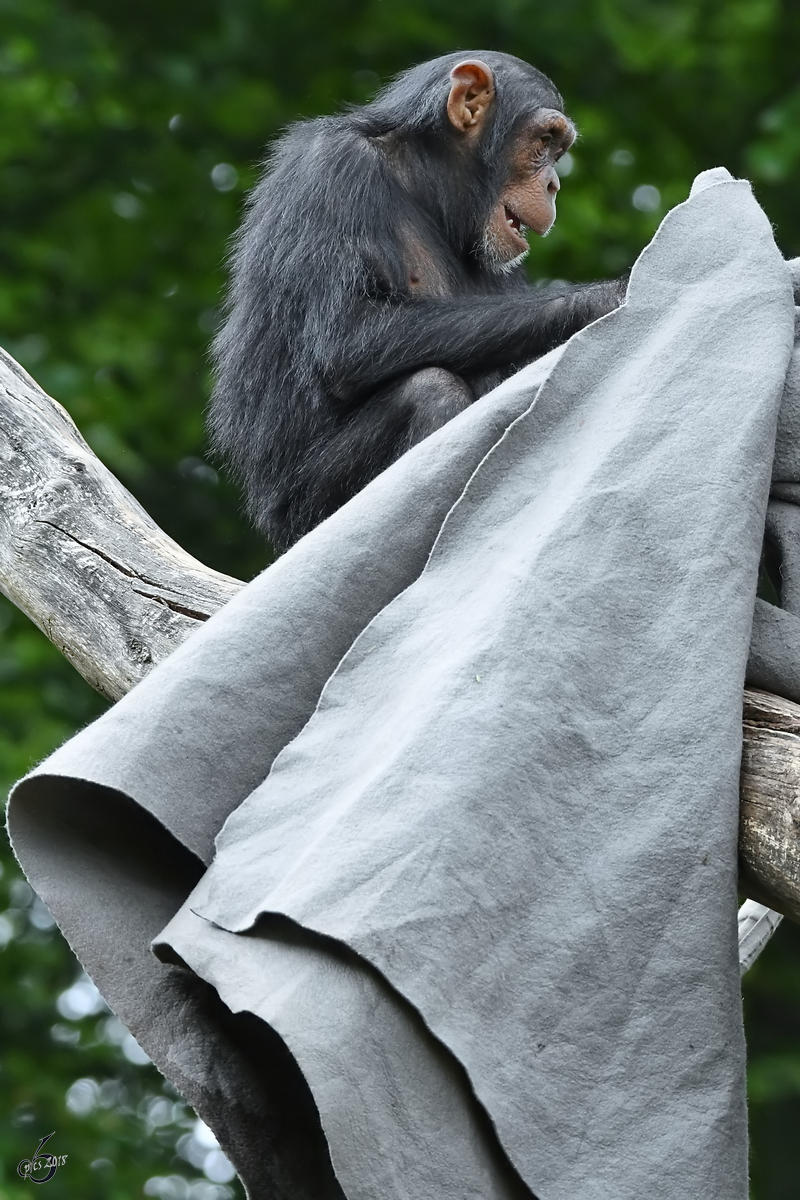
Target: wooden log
[(81, 557), (769, 813)]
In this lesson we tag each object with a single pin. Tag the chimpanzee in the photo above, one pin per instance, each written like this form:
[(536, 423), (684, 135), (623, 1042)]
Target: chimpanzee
[(377, 287)]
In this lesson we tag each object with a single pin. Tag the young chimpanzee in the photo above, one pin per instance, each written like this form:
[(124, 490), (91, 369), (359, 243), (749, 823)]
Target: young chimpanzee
[(377, 287)]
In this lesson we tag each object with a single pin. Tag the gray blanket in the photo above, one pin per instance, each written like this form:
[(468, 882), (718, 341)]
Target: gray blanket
[(470, 753)]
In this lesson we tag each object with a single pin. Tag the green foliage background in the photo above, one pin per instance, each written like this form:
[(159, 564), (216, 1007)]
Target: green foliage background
[(112, 239)]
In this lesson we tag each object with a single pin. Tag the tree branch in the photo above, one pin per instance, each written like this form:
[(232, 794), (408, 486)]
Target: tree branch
[(769, 812), (81, 557)]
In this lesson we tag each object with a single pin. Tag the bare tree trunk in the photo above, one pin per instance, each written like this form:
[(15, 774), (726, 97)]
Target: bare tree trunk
[(87, 564)]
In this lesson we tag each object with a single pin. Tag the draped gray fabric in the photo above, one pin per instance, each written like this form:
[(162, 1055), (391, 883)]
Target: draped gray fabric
[(470, 751)]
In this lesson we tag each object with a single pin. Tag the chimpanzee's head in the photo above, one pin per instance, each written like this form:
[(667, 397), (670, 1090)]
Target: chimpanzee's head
[(527, 195), (482, 131)]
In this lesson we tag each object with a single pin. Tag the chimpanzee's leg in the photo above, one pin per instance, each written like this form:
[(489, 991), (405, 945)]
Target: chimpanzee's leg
[(433, 397), (356, 446)]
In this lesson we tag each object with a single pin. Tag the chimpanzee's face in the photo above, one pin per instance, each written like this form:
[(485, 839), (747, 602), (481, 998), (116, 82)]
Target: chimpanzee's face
[(528, 200)]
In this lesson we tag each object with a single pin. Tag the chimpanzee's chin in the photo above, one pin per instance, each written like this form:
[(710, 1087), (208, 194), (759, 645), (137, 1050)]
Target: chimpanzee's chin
[(505, 267)]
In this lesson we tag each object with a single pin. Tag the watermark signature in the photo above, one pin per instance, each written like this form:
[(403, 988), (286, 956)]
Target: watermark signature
[(42, 1166)]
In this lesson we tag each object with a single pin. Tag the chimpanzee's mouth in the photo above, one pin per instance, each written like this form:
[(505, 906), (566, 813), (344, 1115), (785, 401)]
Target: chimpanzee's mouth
[(514, 222)]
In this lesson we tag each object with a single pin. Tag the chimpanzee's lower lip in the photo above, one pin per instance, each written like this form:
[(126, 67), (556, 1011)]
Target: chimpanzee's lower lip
[(512, 219), (515, 223)]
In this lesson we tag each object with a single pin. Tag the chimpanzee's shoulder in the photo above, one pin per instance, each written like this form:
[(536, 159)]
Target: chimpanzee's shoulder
[(320, 143)]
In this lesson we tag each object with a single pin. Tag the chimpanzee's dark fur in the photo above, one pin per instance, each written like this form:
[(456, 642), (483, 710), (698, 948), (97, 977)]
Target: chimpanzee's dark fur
[(318, 366)]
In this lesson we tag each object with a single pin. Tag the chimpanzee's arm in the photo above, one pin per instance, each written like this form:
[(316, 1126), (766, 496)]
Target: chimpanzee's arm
[(469, 335)]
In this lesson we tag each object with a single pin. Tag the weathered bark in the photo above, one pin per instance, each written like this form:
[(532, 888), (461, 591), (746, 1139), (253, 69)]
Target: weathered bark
[(769, 815), (80, 556), (87, 564)]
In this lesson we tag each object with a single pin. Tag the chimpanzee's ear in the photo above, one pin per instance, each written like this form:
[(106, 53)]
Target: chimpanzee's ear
[(471, 95)]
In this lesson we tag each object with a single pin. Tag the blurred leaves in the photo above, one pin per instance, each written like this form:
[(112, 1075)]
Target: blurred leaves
[(69, 1066), (128, 138)]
